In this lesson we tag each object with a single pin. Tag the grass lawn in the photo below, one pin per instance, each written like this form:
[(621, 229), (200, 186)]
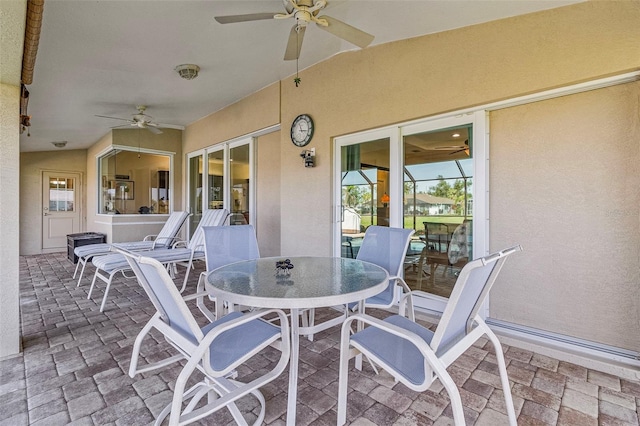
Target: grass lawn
[(419, 227)]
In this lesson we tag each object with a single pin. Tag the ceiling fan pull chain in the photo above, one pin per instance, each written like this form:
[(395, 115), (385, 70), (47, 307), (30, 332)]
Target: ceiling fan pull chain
[(297, 79)]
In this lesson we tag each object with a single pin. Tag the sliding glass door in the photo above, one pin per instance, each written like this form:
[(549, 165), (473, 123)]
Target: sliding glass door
[(229, 183), (429, 176)]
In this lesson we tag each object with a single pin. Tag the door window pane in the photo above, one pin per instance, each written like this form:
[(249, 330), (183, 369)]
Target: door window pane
[(195, 192), (61, 195), (216, 179), (365, 189), (438, 204), (239, 174)]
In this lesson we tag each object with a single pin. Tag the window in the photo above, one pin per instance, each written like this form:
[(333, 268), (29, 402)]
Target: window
[(229, 183), (133, 182)]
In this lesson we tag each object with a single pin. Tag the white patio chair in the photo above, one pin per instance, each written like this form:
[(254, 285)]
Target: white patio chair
[(416, 356), (224, 245), (109, 265), (387, 247), (164, 239), (216, 350)]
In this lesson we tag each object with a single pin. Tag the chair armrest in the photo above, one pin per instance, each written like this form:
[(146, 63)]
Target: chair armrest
[(161, 239), (149, 238), (410, 336), (180, 243)]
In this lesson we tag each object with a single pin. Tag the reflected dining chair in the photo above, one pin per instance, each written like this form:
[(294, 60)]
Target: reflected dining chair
[(224, 245), (216, 350), (416, 356), (181, 253), (164, 239)]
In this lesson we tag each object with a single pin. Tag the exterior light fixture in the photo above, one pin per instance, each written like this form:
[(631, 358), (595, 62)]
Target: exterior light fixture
[(188, 71)]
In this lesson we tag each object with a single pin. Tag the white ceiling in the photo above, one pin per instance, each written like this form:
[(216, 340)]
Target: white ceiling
[(106, 57)]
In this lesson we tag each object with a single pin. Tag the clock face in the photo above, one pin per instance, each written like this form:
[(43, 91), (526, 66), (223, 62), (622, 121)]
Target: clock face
[(302, 130)]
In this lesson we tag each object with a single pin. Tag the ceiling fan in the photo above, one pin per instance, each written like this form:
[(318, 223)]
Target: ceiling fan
[(305, 12), (144, 121)]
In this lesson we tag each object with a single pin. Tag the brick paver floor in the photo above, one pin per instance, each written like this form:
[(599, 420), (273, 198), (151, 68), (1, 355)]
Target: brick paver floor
[(74, 371)]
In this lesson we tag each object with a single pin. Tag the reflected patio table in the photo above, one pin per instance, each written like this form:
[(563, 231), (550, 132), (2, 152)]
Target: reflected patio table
[(313, 282)]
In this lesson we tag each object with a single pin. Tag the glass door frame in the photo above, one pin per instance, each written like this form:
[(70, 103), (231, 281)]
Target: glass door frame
[(480, 189)]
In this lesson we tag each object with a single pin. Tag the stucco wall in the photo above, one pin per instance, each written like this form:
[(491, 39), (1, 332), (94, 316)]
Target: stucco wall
[(9, 220), (565, 185), (268, 226), (32, 164)]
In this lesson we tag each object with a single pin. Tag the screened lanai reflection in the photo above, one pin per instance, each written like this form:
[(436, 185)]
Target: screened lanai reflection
[(438, 204)]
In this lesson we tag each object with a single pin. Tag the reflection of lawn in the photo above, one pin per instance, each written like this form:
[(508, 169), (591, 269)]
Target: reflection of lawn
[(408, 220)]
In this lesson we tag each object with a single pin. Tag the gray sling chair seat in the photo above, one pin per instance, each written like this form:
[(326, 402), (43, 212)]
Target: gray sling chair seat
[(416, 356), (165, 238), (216, 350), (181, 253)]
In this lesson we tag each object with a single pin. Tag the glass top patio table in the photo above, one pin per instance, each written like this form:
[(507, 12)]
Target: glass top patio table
[(313, 282)]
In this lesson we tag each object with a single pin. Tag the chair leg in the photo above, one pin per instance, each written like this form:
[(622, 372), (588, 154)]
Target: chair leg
[(106, 292), (504, 378), (77, 265), (84, 265)]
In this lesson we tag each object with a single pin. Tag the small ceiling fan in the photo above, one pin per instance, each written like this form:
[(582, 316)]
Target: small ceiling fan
[(305, 12), (144, 121)]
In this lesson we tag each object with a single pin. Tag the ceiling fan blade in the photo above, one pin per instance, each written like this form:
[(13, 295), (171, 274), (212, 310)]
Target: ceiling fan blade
[(295, 43), (244, 18), (166, 126), (115, 118), (346, 32), (153, 130)]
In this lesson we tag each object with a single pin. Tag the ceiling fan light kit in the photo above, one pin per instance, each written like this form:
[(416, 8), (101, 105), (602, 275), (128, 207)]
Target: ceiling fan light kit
[(187, 71)]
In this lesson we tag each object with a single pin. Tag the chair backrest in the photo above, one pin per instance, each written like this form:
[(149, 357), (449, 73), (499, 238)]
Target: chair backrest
[(171, 228), (386, 247), (156, 282), (210, 217), (469, 293), (229, 244)]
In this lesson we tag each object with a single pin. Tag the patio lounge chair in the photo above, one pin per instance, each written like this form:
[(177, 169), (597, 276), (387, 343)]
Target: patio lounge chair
[(109, 265), (216, 350), (165, 238), (416, 356)]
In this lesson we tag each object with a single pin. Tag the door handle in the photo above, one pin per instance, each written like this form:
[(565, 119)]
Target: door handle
[(47, 214)]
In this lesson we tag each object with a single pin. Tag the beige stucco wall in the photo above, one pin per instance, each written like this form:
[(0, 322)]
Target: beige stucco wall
[(9, 219), (32, 164), (268, 226), (434, 74), (565, 185)]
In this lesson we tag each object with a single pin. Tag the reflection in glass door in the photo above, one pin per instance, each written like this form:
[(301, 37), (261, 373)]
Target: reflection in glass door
[(240, 174), (438, 204), (195, 192), (365, 191)]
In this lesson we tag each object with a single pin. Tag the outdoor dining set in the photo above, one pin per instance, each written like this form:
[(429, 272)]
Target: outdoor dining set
[(254, 304)]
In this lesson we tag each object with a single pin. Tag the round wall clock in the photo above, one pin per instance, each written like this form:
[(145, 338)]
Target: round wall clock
[(302, 130)]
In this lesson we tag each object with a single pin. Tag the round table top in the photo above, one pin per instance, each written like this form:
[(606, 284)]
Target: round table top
[(313, 282)]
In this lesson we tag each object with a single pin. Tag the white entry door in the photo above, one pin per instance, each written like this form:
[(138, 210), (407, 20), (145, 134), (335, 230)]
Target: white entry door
[(61, 208)]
